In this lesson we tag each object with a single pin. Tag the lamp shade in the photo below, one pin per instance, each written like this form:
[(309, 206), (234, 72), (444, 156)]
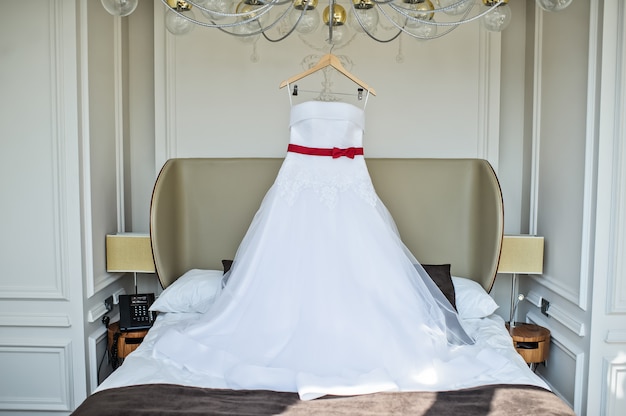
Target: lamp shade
[(521, 254), (129, 252)]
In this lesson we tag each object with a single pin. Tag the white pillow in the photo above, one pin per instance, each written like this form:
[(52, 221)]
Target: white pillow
[(194, 291), (472, 301)]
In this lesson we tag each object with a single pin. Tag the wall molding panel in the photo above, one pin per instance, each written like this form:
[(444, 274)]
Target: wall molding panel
[(616, 336), (96, 277), (555, 285), (50, 320), (614, 371), (50, 389), (559, 315), (119, 121), (171, 138), (489, 98), (589, 187), (575, 292), (86, 151), (160, 93), (616, 285), (96, 342), (536, 148), (54, 284), (55, 291), (164, 92), (96, 312), (562, 346), (568, 321), (59, 161), (578, 357)]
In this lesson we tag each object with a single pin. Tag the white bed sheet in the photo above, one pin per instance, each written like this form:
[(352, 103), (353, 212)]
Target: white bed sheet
[(140, 367)]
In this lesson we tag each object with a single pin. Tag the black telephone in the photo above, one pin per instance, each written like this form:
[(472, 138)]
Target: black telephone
[(134, 313)]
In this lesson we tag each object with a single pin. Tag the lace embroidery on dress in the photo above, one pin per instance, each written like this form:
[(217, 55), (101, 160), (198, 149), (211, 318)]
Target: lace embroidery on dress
[(294, 178)]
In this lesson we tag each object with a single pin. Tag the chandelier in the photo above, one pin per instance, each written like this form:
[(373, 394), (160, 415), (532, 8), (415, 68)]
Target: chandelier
[(380, 20)]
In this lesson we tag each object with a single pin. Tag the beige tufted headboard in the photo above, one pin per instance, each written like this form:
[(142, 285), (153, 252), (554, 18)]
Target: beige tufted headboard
[(447, 211)]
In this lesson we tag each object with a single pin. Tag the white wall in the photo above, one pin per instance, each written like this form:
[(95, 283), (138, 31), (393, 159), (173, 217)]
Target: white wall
[(61, 80), (42, 342), (103, 125), (140, 116), (216, 102), (562, 132)]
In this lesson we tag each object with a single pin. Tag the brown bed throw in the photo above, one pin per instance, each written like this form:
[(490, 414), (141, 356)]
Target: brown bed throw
[(168, 399)]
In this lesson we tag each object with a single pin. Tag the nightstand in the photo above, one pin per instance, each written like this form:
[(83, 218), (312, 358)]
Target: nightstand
[(531, 341), (120, 344)]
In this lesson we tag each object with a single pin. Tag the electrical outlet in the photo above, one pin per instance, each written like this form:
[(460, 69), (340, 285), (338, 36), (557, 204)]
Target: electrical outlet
[(108, 303), (544, 307)]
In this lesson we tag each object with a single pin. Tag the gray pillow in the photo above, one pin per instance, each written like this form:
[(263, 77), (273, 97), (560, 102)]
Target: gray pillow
[(440, 273)]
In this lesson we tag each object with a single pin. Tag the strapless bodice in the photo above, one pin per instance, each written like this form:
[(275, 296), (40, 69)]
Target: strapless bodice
[(327, 124)]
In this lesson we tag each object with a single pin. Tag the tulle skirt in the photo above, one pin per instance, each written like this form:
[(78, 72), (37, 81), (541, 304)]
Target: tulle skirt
[(324, 298)]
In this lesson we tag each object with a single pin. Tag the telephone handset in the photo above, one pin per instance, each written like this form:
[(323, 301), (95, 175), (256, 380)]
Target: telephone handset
[(135, 313)]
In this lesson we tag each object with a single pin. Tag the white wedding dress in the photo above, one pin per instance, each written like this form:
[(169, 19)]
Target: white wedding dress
[(323, 297)]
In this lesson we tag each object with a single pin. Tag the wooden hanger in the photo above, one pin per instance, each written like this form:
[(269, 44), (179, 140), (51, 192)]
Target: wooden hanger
[(328, 60)]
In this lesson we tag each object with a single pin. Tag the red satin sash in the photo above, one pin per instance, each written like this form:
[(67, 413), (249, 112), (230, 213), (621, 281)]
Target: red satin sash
[(335, 152)]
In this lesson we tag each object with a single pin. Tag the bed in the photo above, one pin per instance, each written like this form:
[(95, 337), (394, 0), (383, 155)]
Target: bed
[(449, 213)]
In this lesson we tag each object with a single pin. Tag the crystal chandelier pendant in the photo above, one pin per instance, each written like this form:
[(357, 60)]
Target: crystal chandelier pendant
[(455, 7), (177, 24), (553, 5), (420, 29), (245, 32), (120, 7), (250, 10), (497, 19), (337, 33), (363, 17), (305, 16), (421, 9), (419, 21), (308, 23), (219, 7), (249, 31)]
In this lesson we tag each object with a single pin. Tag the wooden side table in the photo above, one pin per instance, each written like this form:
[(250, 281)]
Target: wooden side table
[(531, 341), (120, 344)]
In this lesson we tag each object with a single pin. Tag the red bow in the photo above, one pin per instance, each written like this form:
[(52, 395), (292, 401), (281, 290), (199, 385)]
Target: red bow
[(347, 152), (335, 152)]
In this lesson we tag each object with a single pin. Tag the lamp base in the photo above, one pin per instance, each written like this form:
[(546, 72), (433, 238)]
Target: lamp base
[(513, 303)]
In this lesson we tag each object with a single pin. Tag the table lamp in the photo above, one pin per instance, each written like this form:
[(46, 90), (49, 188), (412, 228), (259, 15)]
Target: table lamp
[(521, 254), (129, 253)]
